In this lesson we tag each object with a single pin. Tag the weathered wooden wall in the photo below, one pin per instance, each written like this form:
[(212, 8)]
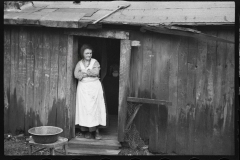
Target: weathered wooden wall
[(38, 79), (198, 78)]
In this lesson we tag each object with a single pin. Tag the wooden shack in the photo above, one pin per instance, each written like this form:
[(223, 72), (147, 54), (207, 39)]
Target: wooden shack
[(176, 52)]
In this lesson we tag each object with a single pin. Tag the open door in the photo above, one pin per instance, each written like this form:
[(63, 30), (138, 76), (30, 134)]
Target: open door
[(101, 38)]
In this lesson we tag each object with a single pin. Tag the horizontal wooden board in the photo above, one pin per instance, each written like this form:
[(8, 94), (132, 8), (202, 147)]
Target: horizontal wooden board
[(92, 151), (150, 101), (116, 34), (87, 142)]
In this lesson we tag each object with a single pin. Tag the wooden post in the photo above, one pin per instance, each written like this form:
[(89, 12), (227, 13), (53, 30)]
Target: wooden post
[(65, 149), (52, 151), (30, 149), (125, 55), (71, 81)]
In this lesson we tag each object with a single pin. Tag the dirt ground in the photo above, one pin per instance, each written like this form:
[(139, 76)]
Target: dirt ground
[(19, 146)]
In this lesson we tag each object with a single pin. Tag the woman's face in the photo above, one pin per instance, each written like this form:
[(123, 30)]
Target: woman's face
[(87, 54)]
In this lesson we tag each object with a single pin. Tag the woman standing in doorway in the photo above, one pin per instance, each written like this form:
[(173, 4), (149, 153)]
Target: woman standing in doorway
[(90, 104)]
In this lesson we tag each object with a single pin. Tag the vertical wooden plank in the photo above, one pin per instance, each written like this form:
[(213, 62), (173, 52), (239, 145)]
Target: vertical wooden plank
[(181, 137), (103, 59), (71, 84), (30, 80), (8, 71), (136, 74), (70, 70), (52, 106), (191, 93), (219, 90), (46, 54), (160, 90), (172, 110), (125, 54), (139, 59), (209, 95), (132, 72), (74, 81), (14, 78), (62, 79), (199, 111), (69, 75), (21, 90), (42, 111), (39, 112), (145, 84), (227, 128)]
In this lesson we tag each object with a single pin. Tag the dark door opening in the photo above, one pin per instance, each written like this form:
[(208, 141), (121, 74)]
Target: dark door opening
[(107, 53)]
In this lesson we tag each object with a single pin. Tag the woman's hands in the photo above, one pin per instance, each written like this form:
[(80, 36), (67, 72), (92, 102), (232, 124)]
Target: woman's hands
[(92, 72), (85, 75)]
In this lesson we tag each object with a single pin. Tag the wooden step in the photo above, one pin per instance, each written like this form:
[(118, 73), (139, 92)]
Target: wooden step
[(91, 151), (92, 143)]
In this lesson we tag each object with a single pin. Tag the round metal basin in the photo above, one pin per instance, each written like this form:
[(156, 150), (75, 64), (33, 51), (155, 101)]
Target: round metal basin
[(45, 134)]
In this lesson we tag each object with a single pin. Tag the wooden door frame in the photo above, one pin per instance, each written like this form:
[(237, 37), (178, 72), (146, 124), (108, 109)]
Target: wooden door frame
[(125, 55)]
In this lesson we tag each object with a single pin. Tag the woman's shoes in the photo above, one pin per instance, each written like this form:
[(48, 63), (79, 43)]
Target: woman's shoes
[(97, 136), (88, 135), (79, 135)]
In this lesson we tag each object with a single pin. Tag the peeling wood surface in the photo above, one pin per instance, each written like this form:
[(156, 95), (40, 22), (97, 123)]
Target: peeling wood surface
[(37, 65), (209, 93), (197, 77), (173, 94), (8, 62), (62, 110), (46, 55), (21, 85), (159, 90), (30, 80), (200, 87), (181, 136), (153, 13), (191, 91), (53, 97)]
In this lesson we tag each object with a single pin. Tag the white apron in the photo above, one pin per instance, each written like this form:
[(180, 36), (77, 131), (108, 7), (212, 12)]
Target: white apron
[(90, 105)]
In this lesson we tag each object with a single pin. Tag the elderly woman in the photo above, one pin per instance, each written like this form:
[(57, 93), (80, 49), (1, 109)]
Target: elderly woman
[(90, 104)]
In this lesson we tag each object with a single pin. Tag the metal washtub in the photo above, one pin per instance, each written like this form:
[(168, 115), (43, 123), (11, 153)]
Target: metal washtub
[(45, 134)]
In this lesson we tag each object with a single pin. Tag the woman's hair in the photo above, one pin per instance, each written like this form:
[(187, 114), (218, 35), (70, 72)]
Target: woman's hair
[(85, 46)]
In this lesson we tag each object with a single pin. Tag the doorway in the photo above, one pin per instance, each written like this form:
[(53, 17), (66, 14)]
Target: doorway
[(107, 52)]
